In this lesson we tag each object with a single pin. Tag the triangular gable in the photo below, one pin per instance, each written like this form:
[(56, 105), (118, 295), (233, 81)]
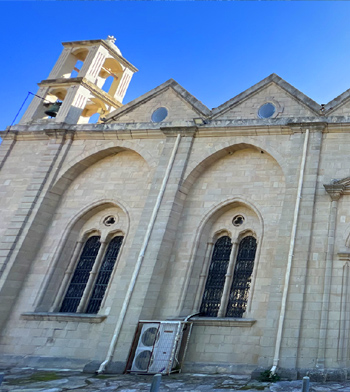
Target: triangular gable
[(169, 91), (338, 106), (311, 106)]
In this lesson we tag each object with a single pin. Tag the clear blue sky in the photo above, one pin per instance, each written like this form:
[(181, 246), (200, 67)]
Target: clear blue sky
[(215, 50)]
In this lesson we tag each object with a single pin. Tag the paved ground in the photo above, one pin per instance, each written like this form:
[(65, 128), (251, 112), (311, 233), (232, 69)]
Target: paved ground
[(30, 380)]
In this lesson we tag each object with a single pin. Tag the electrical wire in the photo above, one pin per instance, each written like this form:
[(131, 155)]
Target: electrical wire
[(29, 93)]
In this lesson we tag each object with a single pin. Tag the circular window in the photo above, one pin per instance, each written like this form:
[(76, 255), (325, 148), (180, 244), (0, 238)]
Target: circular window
[(238, 220), (267, 110), (159, 115), (109, 220)]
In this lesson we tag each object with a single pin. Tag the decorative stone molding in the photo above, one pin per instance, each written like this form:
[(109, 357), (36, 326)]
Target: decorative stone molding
[(344, 256), (335, 189), (60, 317)]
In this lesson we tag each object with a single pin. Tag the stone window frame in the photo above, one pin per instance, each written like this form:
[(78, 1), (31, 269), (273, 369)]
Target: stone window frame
[(221, 317), (279, 108), (90, 285)]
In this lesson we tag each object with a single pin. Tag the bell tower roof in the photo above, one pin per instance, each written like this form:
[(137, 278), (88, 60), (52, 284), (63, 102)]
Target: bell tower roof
[(108, 43)]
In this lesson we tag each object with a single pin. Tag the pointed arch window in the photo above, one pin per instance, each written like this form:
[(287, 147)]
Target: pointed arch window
[(91, 276), (242, 278), (104, 275), (228, 282)]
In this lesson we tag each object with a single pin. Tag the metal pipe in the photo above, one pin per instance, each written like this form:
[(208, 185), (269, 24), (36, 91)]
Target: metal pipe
[(306, 384), (157, 378), (140, 258), (290, 257)]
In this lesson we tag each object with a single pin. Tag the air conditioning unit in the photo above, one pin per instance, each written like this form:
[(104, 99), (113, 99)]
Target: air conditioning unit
[(159, 347)]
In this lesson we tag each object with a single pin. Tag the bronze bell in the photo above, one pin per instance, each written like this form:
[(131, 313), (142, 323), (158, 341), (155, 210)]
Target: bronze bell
[(53, 109)]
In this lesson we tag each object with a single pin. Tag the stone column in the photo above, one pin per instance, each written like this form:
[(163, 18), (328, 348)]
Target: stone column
[(344, 329), (143, 302), (67, 276), (335, 191), (228, 280), (28, 226), (203, 276)]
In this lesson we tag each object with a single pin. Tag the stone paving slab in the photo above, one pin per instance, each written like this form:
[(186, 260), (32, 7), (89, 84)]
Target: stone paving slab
[(31, 380)]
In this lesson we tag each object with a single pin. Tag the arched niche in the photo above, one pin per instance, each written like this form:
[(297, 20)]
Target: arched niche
[(196, 168), (218, 223), (89, 221)]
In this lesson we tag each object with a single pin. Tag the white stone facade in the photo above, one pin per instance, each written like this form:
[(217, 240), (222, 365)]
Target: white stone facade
[(58, 183)]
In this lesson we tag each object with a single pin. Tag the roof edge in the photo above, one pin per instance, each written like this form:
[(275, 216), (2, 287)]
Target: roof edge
[(171, 83), (311, 104)]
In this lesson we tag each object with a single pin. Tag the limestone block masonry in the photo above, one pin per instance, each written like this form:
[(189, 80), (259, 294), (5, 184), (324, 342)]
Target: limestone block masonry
[(236, 218)]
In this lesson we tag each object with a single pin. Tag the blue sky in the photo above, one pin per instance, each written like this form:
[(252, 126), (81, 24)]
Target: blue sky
[(215, 50)]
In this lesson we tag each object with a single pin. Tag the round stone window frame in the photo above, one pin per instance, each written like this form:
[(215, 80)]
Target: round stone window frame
[(107, 217), (237, 216), (278, 107)]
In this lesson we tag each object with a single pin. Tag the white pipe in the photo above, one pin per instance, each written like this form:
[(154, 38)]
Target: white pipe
[(290, 258), (140, 258)]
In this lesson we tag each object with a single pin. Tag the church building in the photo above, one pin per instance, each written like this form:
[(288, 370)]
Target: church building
[(218, 239)]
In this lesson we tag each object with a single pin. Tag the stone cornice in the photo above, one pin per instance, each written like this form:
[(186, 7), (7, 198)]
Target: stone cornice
[(217, 128), (174, 131), (222, 322)]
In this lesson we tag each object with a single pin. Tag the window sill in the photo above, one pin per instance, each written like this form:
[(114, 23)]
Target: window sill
[(60, 317), (222, 322)]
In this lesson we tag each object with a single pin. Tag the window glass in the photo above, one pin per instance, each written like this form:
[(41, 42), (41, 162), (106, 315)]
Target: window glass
[(104, 275), (267, 110), (242, 278), (81, 275), (159, 115), (216, 277)]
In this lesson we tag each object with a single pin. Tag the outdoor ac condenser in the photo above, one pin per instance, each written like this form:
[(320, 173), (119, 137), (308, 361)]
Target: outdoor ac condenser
[(159, 347)]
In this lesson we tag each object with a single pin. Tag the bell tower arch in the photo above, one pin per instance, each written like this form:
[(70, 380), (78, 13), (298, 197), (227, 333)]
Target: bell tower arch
[(89, 77)]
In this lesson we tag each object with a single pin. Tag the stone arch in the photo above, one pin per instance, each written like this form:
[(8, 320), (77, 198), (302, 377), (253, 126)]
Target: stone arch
[(64, 249), (77, 165), (212, 215), (222, 149)]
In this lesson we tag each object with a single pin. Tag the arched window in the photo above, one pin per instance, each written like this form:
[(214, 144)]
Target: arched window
[(242, 277), (216, 277), (91, 277), (104, 275), (218, 300)]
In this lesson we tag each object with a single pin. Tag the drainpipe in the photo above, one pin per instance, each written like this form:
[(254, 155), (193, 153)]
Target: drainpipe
[(290, 258), (140, 258)]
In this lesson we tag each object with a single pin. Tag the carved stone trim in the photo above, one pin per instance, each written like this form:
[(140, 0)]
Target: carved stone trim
[(75, 317), (334, 190), (344, 256)]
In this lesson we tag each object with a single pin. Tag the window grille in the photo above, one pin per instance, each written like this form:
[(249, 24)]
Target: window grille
[(104, 275), (81, 275), (242, 278), (216, 277)]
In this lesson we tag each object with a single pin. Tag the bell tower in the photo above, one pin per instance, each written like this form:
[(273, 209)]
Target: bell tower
[(89, 77)]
